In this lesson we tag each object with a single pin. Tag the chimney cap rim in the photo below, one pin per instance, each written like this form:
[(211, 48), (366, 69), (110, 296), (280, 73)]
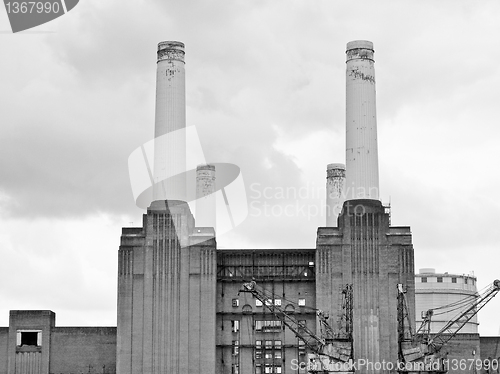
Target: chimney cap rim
[(357, 44), (335, 166), (205, 167), (170, 44)]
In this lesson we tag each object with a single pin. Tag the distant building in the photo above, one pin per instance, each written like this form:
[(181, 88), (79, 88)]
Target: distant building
[(446, 294), (433, 290), (33, 344)]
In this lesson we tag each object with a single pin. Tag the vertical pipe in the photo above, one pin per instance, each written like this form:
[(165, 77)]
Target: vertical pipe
[(362, 181), (205, 196), (170, 116), (335, 183)]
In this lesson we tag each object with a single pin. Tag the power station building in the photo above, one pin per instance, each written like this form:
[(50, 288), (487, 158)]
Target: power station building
[(180, 309), (436, 290), (180, 305)]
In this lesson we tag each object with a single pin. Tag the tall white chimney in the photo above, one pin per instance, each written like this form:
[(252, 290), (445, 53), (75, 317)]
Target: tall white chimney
[(170, 116), (335, 184), (361, 123), (205, 196)]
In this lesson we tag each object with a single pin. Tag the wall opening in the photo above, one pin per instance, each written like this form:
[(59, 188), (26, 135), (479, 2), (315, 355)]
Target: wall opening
[(29, 338)]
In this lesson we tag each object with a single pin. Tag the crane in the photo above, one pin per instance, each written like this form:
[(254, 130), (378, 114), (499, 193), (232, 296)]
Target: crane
[(422, 350), (332, 351)]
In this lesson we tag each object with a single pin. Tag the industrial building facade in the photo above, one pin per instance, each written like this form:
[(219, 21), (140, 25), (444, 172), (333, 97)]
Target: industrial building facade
[(33, 344), (180, 309)]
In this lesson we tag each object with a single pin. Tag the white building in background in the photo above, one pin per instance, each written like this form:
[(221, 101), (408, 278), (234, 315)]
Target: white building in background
[(434, 290)]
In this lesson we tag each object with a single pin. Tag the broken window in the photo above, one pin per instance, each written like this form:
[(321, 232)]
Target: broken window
[(31, 338)]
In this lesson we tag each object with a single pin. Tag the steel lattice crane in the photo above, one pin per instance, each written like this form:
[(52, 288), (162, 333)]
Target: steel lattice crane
[(332, 351), (423, 349)]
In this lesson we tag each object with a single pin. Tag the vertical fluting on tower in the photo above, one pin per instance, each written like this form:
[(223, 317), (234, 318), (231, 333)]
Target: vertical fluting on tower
[(335, 183), (170, 117), (205, 196), (362, 180)]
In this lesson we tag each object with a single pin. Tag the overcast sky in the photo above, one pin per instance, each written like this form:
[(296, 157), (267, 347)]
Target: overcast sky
[(265, 88)]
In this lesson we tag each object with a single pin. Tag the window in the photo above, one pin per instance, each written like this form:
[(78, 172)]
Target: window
[(236, 303), (235, 326), (268, 355), (236, 348), (258, 369), (268, 369), (440, 279), (271, 326), (472, 281), (277, 302), (311, 263), (269, 344), (258, 343), (269, 302), (277, 344), (302, 324), (267, 326), (258, 302), (302, 302), (423, 279), (302, 347), (277, 369), (453, 280), (29, 338), (258, 325), (465, 280), (277, 354), (235, 369), (302, 367)]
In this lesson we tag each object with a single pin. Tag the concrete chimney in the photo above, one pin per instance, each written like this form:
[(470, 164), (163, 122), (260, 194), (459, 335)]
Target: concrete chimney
[(205, 196), (170, 116), (335, 183), (361, 123)]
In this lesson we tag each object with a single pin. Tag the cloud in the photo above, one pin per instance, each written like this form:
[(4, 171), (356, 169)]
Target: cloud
[(265, 88), (62, 265)]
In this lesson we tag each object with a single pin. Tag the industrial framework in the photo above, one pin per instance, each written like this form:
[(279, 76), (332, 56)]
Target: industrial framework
[(332, 351), (420, 352)]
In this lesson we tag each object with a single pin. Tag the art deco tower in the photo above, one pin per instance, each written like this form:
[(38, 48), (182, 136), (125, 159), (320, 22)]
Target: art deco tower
[(361, 123), (364, 250), (167, 268)]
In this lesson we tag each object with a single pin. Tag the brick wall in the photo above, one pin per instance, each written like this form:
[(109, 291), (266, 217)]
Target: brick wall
[(79, 350), (463, 349), (4, 337)]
